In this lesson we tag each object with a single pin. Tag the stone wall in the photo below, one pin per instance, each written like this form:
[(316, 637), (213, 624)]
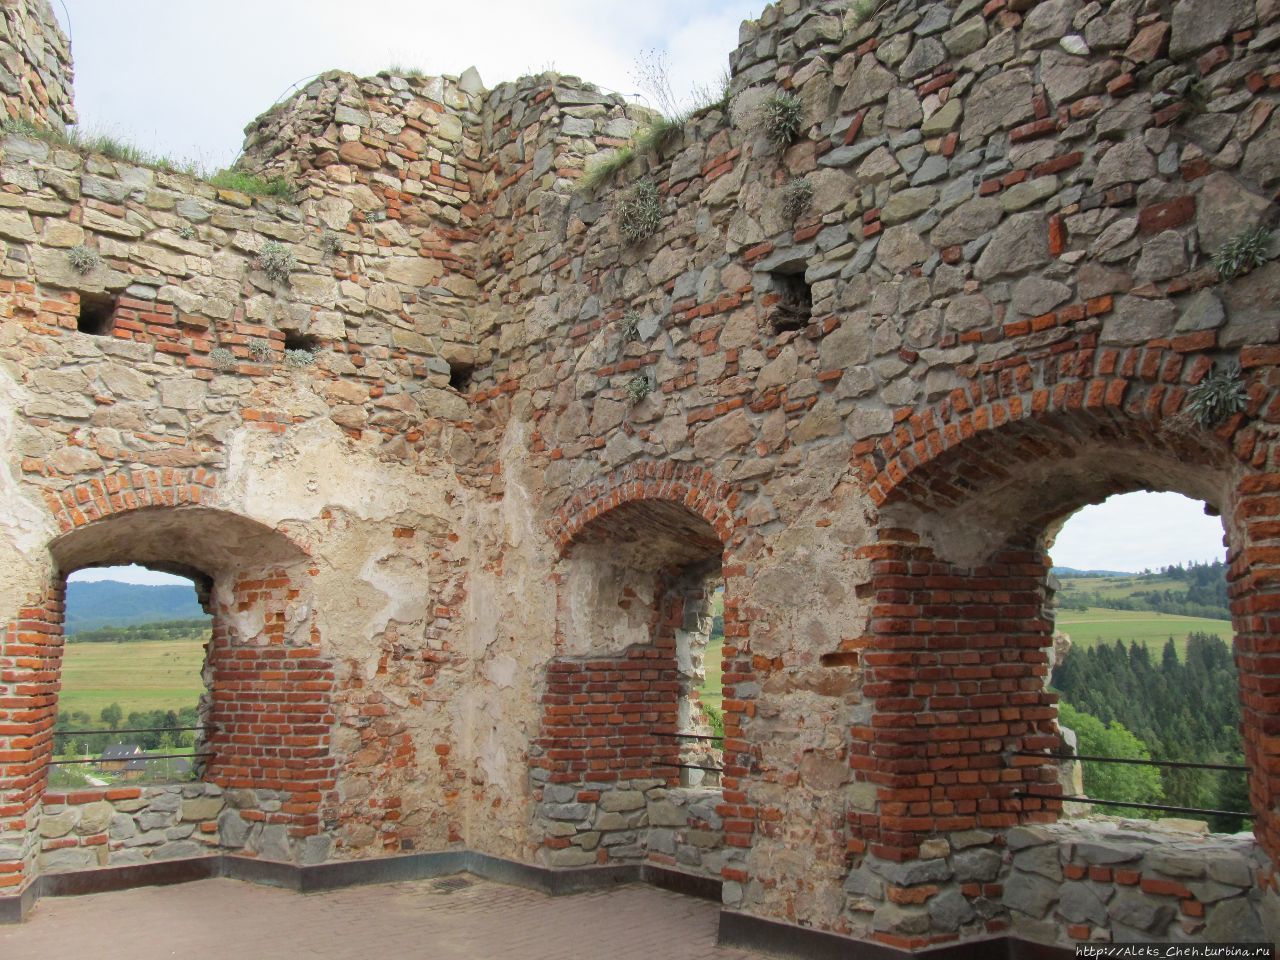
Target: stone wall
[(35, 64), (126, 826), (861, 372)]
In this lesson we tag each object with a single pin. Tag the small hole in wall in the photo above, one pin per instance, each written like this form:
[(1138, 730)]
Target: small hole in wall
[(790, 301), (299, 341), (97, 314), (460, 375)]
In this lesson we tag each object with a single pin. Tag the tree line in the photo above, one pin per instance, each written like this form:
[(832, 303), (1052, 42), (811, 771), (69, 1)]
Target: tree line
[(161, 630), (1121, 702), (163, 725)]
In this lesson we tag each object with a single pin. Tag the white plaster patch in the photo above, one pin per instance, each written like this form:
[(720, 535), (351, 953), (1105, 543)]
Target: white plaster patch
[(297, 475), (25, 527), (501, 670)]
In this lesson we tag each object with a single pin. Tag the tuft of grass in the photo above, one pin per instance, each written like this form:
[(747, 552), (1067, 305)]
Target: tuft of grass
[(606, 169), (254, 186), (860, 11), (781, 116), (707, 97), (639, 211), (260, 349), (660, 132), (1242, 253), (1218, 396), (102, 144), (399, 70), (330, 243)]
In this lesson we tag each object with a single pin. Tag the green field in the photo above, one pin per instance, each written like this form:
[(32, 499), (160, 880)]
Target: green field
[(1118, 588), (146, 675), (1097, 625), (710, 692)]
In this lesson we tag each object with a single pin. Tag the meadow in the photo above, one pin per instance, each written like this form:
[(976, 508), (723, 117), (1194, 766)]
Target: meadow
[(140, 676), (1088, 628)]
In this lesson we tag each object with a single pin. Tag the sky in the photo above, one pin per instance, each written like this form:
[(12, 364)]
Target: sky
[(1137, 531), (183, 78)]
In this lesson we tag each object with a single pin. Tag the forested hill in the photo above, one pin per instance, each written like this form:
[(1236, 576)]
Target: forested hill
[(110, 603), (1198, 590)]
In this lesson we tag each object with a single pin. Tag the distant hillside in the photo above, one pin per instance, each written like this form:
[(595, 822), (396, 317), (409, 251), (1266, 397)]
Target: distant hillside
[(1197, 590), (109, 603), (1068, 572)]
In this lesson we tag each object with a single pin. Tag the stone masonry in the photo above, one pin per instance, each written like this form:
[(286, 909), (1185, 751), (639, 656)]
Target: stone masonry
[(458, 448)]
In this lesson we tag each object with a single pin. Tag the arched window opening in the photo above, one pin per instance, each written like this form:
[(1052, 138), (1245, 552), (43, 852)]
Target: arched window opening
[(628, 763), (1143, 663), (133, 701)]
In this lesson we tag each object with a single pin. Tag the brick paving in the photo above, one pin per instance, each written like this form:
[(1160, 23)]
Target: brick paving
[(420, 919)]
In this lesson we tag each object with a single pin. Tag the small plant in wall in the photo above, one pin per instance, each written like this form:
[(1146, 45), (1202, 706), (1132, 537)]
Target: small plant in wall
[(781, 115), (638, 388), (796, 197), (630, 326), (222, 358), (1242, 253), (187, 232), (260, 349), (297, 359), (84, 259), (1218, 396), (276, 261), (330, 243), (860, 11), (639, 211)]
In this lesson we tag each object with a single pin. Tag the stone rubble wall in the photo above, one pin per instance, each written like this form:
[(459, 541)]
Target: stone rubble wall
[(35, 65), (686, 833), (1101, 880), (126, 826), (1013, 213), (1008, 251)]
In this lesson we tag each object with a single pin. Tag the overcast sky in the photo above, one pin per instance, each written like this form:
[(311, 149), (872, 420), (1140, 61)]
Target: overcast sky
[(182, 78)]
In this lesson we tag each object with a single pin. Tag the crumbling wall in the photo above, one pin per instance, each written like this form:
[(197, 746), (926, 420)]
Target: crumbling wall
[(877, 355), (1008, 234), (35, 65)]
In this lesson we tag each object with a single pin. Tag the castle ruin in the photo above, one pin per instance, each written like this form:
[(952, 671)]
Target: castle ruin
[(457, 450)]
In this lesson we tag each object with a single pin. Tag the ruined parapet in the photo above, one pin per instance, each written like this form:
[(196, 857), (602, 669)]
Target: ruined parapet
[(35, 64), (391, 160)]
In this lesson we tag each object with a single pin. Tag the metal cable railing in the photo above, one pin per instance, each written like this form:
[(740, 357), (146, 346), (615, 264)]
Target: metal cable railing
[(130, 757), (1161, 807), (689, 766)]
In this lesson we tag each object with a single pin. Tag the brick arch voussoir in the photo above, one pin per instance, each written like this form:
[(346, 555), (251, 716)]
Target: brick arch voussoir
[(692, 487), (1142, 385), (98, 498)]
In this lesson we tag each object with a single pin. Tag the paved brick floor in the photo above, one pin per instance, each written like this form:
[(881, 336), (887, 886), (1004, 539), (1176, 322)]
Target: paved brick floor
[(419, 920)]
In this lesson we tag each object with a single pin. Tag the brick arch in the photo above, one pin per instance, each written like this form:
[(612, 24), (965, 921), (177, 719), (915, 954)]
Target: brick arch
[(100, 497), (1137, 395), (637, 495), (270, 687), (956, 648), (692, 487)]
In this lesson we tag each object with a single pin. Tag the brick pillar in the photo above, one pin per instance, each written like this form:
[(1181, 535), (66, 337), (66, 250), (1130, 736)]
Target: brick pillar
[(955, 672), (1253, 575), (272, 711), (30, 656)]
